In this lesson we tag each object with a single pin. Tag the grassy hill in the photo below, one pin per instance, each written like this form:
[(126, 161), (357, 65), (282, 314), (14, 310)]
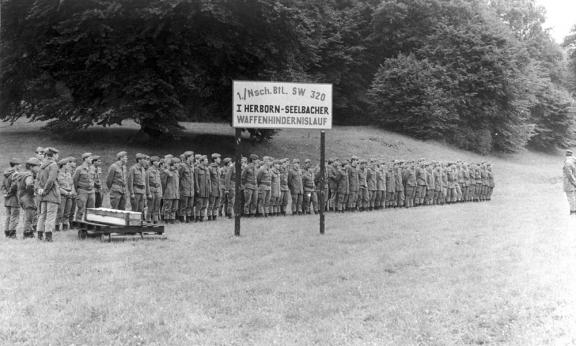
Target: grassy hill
[(500, 272)]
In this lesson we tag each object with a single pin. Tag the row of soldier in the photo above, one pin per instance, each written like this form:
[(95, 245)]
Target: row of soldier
[(193, 188)]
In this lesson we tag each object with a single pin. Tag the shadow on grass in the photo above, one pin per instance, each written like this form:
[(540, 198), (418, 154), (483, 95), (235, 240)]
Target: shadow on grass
[(130, 138)]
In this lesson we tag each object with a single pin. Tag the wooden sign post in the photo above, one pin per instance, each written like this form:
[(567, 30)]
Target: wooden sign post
[(280, 105)]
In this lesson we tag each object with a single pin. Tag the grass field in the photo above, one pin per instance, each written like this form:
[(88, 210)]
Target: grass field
[(502, 272)]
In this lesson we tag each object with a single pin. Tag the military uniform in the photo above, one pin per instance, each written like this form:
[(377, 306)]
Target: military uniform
[(84, 187), (97, 182), (371, 183), (250, 188), (354, 187), (421, 185), (296, 188), (203, 190), (411, 183), (363, 198), (116, 183), (309, 191), (170, 190), (275, 192), (67, 195), (49, 193), (264, 180), (187, 188), (342, 188), (391, 201), (137, 186), (215, 190), (379, 200), (9, 189), (430, 186), (284, 190), (154, 181), (26, 197), (230, 187), (400, 194)]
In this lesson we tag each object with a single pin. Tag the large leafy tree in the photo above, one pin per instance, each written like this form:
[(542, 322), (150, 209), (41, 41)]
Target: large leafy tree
[(77, 63), (464, 80)]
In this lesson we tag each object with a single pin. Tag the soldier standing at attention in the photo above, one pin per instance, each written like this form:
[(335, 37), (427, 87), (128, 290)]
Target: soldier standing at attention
[(116, 181), (49, 195), (400, 194), (84, 186), (284, 190), (264, 181), (137, 187), (222, 176), (230, 187), (250, 186), (363, 186), (438, 184), (155, 184), (186, 175), (332, 182), (421, 183), (295, 185), (67, 195), (26, 195), (342, 187), (214, 200), (10, 191), (380, 185), (275, 193), (411, 184), (353, 183), (308, 189), (490, 181), (170, 189), (371, 183), (430, 186), (202, 186), (390, 187), (97, 165)]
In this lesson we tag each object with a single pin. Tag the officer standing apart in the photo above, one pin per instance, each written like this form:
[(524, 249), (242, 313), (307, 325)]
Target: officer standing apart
[(569, 171)]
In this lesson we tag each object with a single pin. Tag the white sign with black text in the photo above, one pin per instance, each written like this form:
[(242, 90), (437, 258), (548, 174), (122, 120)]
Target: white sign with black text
[(282, 105)]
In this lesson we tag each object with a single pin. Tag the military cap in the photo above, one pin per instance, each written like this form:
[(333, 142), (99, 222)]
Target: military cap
[(176, 160), (198, 156), (40, 150), (168, 156), (15, 161), (147, 157), (568, 152), (139, 156), (62, 162), (154, 158), (354, 157), (363, 161), (71, 159), (96, 157), (188, 153), (307, 161), (227, 160), (215, 155), (33, 161), (277, 162), (51, 150), (336, 159), (121, 154), (253, 157), (295, 161), (86, 155), (204, 157)]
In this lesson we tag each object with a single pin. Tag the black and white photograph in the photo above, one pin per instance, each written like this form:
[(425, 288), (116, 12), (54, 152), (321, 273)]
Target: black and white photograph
[(288, 172)]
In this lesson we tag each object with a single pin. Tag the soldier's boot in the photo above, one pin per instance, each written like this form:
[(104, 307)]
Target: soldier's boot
[(182, 219), (7, 234), (214, 217), (49, 237), (66, 226), (28, 234), (13, 234), (209, 217), (57, 227), (40, 235)]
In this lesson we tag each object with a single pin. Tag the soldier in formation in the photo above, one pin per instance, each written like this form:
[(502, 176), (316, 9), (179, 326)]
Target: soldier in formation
[(50, 193)]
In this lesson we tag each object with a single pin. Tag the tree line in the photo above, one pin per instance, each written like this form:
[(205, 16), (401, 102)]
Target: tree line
[(484, 75)]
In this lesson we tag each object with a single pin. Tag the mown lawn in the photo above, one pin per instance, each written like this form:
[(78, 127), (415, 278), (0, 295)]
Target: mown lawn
[(501, 272)]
